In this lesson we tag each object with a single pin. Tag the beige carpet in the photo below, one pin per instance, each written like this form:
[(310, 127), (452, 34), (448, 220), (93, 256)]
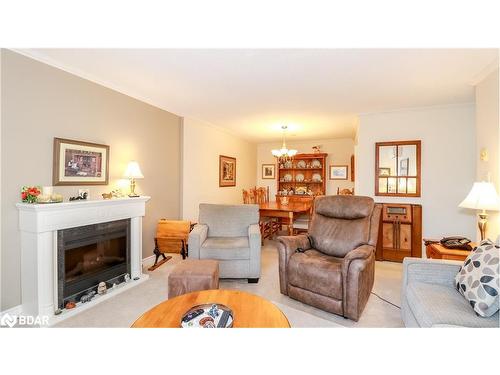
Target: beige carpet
[(123, 309)]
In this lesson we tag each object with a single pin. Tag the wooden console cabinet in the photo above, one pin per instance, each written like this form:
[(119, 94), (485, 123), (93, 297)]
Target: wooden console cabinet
[(400, 233)]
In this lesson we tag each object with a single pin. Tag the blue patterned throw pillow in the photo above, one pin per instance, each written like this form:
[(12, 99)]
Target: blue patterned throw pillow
[(478, 280)]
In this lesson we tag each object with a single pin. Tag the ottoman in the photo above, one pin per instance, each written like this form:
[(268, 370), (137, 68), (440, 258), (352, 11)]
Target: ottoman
[(192, 275)]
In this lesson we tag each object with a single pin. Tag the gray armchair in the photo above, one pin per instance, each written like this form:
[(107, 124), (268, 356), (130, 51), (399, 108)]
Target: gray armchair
[(429, 297), (229, 234)]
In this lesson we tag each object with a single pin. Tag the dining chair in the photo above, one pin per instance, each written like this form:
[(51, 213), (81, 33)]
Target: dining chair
[(259, 195), (246, 196), (345, 191), (302, 222)]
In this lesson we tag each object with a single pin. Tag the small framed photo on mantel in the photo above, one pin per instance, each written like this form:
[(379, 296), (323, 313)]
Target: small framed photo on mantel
[(80, 163)]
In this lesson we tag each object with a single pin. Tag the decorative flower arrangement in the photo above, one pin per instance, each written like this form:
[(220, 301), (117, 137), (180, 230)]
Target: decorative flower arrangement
[(30, 193)]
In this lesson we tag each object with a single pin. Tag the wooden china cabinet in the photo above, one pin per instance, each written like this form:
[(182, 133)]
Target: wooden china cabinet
[(305, 173)]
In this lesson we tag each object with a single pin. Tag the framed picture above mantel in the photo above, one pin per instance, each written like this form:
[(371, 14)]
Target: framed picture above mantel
[(80, 163)]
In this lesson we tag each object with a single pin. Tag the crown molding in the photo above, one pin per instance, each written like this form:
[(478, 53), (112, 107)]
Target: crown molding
[(416, 109), (89, 77), (485, 72)]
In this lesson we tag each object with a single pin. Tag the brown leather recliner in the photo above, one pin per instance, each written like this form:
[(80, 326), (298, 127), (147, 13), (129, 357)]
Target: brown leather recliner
[(336, 271)]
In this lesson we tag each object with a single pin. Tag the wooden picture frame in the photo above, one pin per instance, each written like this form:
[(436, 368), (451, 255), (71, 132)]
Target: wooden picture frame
[(227, 171), (78, 163), (399, 184), (339, 172), (268, 171)]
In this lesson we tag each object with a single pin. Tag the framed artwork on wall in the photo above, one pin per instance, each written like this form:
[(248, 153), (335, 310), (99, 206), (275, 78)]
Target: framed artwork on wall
[(79, 163), (338, 172), (268, 171), (227, 171)]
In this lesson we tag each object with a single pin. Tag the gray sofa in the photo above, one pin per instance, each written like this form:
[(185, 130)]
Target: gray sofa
[(429, 297), (229, 234)]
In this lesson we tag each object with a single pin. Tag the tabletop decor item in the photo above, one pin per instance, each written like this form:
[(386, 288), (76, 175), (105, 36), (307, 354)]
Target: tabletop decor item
[(80, 163), (227, 171), (208, 315), (133, 172), (29, 194), (82, 197), (102, 288)]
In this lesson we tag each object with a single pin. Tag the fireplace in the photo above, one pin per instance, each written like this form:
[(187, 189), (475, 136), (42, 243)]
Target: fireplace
[(90, 254)]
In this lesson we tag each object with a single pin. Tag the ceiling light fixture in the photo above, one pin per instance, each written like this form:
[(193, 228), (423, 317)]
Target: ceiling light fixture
[(284, 154)]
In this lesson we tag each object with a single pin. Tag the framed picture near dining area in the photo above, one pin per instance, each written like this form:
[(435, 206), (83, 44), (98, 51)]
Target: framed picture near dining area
[(268, 171), (227, 171), (80, 163), (338, 172)]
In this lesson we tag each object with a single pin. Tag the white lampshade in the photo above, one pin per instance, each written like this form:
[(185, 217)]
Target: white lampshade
[(133, 170), (482, 196)]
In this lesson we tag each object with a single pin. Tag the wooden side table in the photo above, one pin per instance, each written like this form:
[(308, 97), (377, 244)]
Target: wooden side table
[(438, 251)]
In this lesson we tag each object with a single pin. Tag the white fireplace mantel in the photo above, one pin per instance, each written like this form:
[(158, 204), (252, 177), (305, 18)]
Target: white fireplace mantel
[(39, 223)]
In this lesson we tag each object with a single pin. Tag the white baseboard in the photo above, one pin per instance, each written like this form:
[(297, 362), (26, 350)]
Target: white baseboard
[(149, 261), (16, 310)]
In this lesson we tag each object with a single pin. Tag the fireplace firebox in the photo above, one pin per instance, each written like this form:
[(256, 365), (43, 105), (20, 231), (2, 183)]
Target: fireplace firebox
[(89, 255)]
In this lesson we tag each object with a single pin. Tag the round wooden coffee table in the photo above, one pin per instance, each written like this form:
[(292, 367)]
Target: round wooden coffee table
[(250, 311)]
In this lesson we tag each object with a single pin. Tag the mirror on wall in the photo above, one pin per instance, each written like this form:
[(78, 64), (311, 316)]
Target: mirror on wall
[(397, 168)]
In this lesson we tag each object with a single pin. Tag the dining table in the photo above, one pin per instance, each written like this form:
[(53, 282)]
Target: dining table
[(284, 211)]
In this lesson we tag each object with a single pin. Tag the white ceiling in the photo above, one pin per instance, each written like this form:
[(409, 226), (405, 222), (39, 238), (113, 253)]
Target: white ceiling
[(318, 92)]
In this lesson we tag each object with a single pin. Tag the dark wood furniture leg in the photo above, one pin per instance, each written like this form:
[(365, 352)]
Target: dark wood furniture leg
[(158, 253)]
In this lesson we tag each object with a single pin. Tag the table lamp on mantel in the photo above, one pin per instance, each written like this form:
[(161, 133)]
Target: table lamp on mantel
[(133, 171), (482, 196)]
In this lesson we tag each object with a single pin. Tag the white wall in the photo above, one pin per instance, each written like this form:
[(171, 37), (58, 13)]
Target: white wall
[(488, 137), (40, 102), (201, 146), (339, 153), (448, 163)]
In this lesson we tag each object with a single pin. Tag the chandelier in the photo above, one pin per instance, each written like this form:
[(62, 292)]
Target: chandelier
[(284, 154)]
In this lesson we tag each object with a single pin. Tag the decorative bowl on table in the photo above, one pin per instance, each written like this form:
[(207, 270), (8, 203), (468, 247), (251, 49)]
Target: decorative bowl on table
[(209, 315)]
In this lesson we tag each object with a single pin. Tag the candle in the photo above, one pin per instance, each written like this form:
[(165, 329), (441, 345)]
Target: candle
[(47, 190)]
